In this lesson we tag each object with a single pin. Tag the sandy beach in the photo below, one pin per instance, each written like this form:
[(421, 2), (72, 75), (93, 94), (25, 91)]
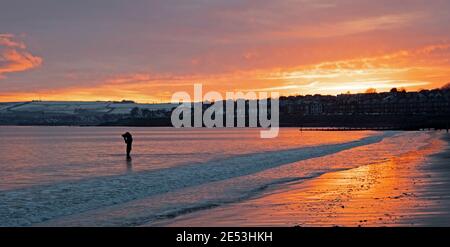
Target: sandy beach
[(412, 189), (360, 178)]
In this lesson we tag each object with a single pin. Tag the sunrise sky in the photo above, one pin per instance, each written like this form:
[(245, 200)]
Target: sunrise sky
[(147, 50)]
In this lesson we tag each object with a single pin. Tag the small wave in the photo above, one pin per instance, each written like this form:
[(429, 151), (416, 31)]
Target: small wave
[(37, 204), (210, 204)]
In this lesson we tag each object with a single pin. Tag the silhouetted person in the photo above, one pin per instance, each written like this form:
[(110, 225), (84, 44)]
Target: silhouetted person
[(129, 141)]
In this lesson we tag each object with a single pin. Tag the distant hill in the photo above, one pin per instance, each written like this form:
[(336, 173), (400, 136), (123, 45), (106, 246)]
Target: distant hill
[(67, 107), (397, 109), (71, 113)]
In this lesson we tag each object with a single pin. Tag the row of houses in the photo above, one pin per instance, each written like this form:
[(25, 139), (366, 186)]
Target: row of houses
[(425, 102)]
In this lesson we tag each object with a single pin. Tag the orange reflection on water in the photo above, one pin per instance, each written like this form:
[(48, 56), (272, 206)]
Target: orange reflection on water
[(372, 195), (389, 193)]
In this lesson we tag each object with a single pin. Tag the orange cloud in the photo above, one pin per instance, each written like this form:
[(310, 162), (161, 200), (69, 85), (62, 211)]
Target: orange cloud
[(423, 67), (14, 57), (349, 27), (417, 68), (6, 40)]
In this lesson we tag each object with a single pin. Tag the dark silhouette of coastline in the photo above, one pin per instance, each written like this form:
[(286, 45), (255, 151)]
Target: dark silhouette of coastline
[(396, 109)]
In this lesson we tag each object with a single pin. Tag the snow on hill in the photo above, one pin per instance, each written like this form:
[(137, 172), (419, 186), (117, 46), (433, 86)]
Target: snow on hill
[(62, 107)]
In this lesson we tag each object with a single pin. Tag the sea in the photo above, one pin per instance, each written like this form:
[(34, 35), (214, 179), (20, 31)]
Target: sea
[(80, 176)]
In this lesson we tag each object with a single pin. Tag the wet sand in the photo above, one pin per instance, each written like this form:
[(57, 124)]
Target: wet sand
[(409, 190)]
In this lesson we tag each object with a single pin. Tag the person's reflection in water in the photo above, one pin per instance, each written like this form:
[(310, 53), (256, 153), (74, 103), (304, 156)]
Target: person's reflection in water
[(129, 165), (128, 138)]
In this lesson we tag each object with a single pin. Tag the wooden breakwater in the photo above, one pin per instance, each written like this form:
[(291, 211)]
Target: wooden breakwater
[(359, 128)]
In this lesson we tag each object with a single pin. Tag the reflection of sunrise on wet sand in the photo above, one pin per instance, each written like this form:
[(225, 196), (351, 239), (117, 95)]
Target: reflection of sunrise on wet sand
[(399, 191)]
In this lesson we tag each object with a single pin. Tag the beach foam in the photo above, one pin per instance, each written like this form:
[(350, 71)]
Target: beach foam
[(37, 204)]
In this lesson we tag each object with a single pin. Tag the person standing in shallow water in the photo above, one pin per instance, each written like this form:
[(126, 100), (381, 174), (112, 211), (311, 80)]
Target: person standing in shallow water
[(128, 138)]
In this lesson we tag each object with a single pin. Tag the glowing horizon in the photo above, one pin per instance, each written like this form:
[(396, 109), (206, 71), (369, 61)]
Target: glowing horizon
[(148, 51)]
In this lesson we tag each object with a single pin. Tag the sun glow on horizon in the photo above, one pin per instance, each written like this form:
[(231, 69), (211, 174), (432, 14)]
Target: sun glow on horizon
[(228, 48)]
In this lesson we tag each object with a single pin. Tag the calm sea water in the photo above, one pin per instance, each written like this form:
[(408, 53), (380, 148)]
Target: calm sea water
[(79, 175)]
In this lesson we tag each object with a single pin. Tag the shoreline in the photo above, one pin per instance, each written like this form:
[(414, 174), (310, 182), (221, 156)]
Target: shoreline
[(300, 128), (412, 189)]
